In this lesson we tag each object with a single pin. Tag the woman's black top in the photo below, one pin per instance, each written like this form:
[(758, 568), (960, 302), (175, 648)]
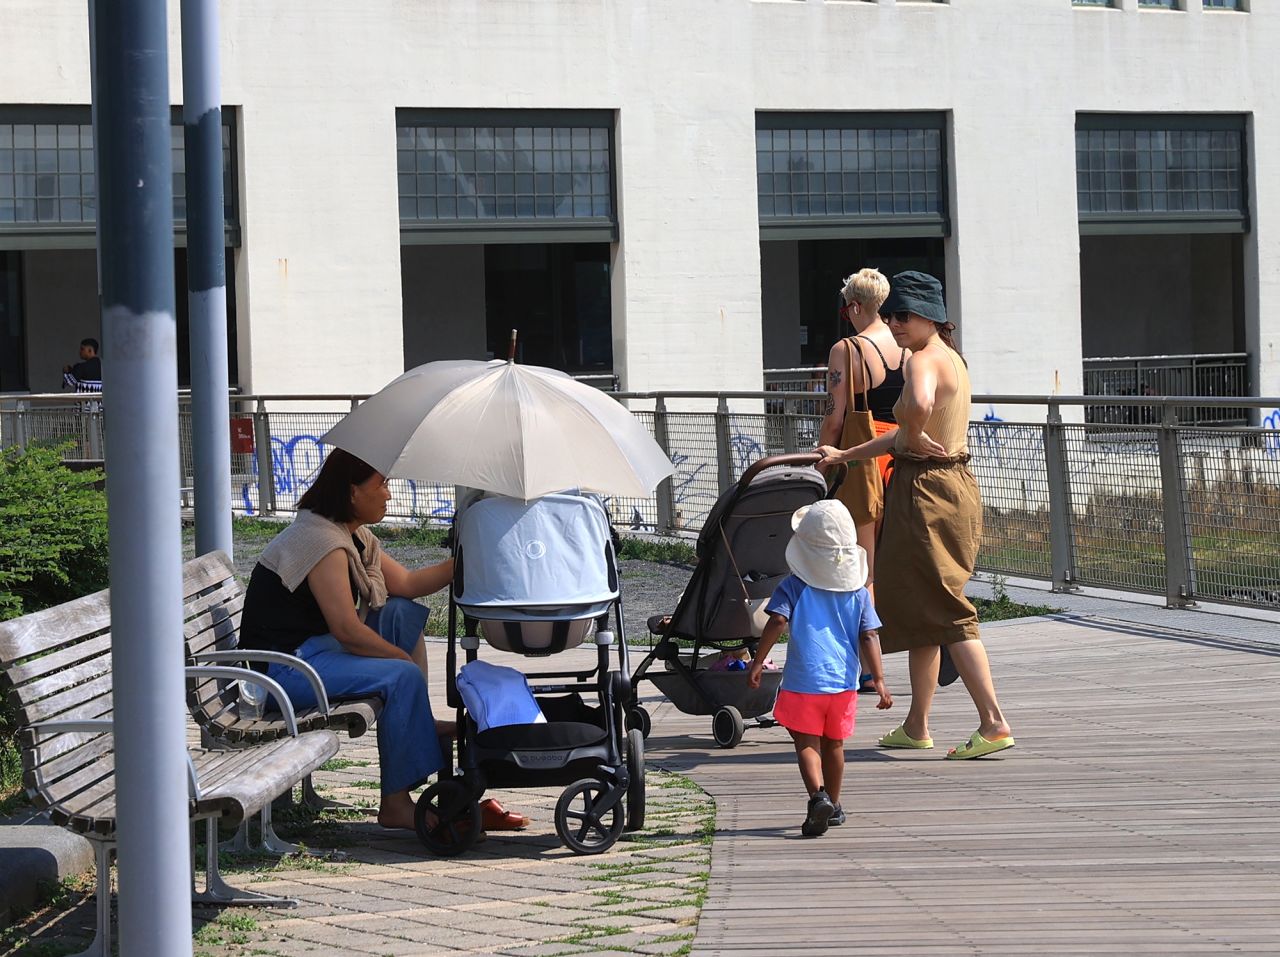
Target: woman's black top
[(276, 619), (881, 398)]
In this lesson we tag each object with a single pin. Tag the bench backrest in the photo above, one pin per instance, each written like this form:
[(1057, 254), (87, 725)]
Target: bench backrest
[(57, 667)]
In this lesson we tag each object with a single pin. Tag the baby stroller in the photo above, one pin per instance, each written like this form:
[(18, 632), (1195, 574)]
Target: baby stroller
[(741, 554), (536, 579)]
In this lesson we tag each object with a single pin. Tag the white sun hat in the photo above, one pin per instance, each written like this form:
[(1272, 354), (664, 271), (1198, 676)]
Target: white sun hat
[(824, 551)]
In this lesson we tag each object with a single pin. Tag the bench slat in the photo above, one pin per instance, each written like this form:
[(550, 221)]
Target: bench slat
[(70, 655), (54, 706), (43, 631)]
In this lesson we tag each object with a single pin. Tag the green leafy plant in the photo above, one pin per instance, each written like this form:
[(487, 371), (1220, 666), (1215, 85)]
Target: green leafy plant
[(55, 521), (54, 549)]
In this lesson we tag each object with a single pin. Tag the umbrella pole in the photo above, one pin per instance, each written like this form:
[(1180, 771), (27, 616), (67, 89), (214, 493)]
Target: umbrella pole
[(511, 349)]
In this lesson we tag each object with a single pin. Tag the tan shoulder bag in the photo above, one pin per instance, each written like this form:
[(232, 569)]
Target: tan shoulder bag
[(862, 490)]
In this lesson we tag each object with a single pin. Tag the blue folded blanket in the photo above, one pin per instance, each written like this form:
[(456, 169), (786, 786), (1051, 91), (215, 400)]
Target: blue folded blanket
[(495, 696)]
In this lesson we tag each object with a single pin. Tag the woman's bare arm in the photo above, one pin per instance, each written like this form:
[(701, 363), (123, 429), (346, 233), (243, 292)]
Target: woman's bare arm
[(919, 393), (837, 393), (330, 582), (414, 584)]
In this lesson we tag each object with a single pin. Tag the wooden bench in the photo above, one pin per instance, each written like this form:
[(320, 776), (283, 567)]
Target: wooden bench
[(213, 600), (57, 673)]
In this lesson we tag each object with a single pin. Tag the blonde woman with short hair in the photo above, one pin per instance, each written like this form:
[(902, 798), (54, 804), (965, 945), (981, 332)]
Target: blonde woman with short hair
[(876, 360)]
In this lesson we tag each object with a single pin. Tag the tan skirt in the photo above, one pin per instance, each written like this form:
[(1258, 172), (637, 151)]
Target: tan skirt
[(928, 545)]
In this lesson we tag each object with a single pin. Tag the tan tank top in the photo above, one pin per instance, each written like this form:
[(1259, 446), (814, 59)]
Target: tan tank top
[(948, 424)]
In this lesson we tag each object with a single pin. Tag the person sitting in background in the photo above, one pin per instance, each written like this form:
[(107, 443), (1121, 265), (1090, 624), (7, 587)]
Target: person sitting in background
[(85, 375)]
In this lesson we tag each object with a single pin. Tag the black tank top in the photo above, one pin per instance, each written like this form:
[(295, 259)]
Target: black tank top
[(881, 398)]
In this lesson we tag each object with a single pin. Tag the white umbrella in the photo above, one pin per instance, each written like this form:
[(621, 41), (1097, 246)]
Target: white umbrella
[(523, 431)]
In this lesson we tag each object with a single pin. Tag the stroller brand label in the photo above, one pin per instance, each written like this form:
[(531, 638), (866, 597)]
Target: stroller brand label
[(540, 759)]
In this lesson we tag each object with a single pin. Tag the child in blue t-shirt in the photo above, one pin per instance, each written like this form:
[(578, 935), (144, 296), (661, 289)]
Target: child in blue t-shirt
[(831, 618)]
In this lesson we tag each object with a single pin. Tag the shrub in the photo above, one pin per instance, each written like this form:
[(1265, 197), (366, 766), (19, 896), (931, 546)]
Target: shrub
[(54, 546), (53, 549)]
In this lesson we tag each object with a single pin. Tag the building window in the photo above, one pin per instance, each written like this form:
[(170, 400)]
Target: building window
[(1186, 170), (1223, 5), (1163, 4), (514, 170), (47, 173), (851, 170), (1092, 3)]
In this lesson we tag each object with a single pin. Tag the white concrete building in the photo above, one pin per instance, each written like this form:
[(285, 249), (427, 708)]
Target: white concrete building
[(672, 190)]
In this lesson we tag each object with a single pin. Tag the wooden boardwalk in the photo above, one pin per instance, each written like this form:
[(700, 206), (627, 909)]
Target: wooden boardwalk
[(1139, 814)]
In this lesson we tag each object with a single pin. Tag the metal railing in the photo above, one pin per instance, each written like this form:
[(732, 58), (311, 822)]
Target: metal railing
[(1162, 506), (1219, 375)]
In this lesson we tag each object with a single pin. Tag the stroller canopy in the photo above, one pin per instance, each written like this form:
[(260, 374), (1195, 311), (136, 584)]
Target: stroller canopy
[(550, 558)]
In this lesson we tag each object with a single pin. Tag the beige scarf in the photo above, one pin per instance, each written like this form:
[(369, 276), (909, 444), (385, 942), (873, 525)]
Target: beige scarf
[(298, 549)]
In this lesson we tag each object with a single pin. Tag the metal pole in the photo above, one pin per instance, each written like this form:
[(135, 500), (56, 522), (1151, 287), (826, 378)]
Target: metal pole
[(1059, 486), (724, 466), (1180, 585), (206, 275), (666, 488), (135, 239)]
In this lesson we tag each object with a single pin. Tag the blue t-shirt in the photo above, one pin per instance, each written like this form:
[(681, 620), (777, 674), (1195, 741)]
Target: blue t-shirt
[(822, 656)]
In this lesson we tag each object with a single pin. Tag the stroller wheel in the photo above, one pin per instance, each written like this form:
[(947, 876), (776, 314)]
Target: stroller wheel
[(635, 780), (583, 827), (638, 718), (727, 726), (457, 818)]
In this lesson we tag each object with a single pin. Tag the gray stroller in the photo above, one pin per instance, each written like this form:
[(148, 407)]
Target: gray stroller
[(741, 558)]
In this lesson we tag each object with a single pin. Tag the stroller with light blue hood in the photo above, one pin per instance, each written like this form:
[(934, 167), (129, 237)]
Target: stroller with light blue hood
[(537, 579)]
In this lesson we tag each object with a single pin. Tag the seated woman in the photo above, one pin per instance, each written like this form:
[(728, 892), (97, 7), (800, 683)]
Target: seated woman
[(325, 590)]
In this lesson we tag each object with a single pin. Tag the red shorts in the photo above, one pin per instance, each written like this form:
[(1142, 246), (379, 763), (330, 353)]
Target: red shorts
[(825, 715)]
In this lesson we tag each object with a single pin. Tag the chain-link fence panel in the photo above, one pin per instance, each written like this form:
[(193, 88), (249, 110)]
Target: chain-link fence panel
[(77, 426), (1117, 517), (1008, 460), (1231, 489), (692, 442)]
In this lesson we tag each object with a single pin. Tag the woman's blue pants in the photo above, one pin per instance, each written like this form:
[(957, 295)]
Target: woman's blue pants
[(408, 748)]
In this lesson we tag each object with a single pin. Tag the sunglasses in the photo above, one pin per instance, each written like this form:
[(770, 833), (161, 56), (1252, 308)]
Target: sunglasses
[(899, 317)]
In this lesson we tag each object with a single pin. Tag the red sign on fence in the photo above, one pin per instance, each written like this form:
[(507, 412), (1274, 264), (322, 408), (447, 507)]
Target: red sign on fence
[(241, 435)]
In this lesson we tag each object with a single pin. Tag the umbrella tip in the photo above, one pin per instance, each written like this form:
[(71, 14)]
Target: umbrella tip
[(511, 350)]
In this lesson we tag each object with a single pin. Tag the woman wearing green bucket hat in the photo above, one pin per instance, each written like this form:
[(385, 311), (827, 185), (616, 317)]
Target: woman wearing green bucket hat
[(932, 522)]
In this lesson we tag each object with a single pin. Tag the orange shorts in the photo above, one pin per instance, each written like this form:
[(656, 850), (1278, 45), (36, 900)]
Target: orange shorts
[(825, 715)]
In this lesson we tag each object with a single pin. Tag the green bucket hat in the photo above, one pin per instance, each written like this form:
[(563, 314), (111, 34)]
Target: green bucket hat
[(916, 292)]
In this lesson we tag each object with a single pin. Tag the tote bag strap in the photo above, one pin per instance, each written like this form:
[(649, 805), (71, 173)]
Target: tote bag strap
[(866, 376)]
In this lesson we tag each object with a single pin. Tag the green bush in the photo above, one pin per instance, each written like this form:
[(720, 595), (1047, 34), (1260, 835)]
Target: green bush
[(53, 549), (54, 546)]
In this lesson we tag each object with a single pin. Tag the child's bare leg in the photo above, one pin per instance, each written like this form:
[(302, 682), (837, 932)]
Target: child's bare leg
[(810, 758), (833, 766)]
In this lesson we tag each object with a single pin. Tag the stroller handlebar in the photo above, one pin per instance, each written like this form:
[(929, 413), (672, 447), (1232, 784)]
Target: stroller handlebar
[(795, 458)]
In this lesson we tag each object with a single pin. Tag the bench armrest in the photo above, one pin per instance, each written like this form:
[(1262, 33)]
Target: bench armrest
[(272, 657), (87, 725), (245, 674)]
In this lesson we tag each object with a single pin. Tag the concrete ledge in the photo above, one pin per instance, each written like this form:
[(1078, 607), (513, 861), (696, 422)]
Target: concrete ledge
[(32, 853)]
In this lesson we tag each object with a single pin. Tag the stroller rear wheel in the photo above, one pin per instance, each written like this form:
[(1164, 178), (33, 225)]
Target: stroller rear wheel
[(727, 726), (635, 780), (638, 718), (456, 811), (581, 821)]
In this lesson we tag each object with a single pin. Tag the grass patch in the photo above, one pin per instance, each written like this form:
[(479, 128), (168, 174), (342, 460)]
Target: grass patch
[(339, 764), (426, 536), (1000, 607), (664, 551)]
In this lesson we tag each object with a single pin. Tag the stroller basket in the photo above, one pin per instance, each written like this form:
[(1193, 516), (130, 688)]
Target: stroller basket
[(721, 688)]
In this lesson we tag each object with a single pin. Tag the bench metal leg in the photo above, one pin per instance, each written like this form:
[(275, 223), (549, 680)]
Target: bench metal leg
[(101, 945), (219, 892), (311, 798), (272, 842)]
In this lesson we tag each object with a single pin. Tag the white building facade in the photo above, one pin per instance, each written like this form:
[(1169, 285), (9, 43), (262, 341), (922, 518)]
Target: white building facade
[(670, 191)]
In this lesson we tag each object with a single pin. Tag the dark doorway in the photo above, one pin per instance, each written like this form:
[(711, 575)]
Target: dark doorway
[(800, 281), (13, 346), (558, 297)]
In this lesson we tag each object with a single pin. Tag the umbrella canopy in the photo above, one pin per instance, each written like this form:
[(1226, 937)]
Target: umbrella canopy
[(522, 431)]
